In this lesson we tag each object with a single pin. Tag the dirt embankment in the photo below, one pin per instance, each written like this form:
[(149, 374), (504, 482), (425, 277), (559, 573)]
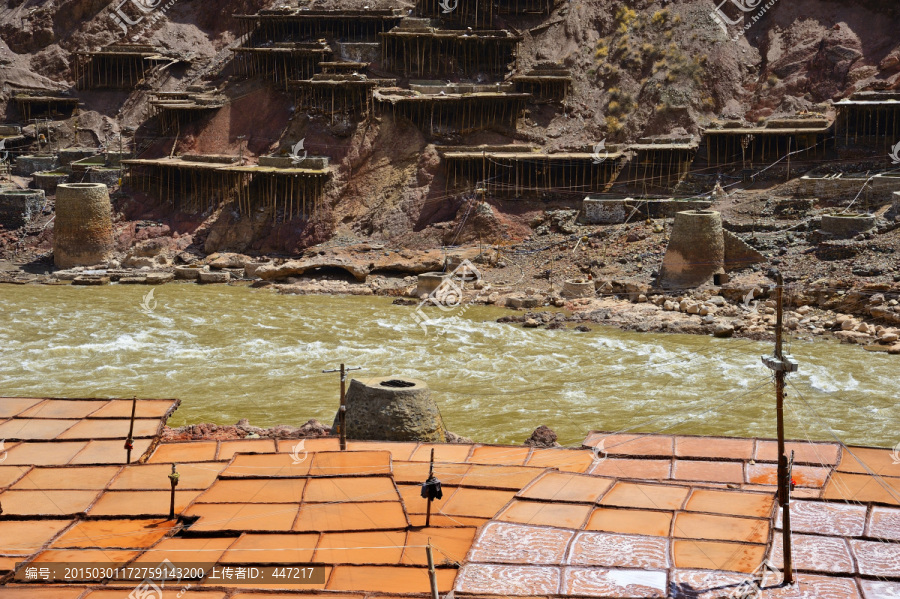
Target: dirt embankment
[(640, 68)]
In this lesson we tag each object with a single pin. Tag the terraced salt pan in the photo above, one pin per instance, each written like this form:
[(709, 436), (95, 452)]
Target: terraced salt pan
[(594, 582), (518, 544), (705, 584), (494, 579), (619, 551), (884, 523), (877, 558), (819, 554), (879, 589), (708, 584), (826, 518), (816, 587)]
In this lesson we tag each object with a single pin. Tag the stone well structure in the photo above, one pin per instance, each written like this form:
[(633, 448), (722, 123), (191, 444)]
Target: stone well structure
[(82, 232), (428, 282), (575, 288), (847, 225), (27, 165), (392, 409), (696, 251), (69, 155), (48, 181)]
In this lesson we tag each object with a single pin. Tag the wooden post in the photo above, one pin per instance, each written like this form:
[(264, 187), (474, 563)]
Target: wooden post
[(432, 574), (173, 479), (781, 365), (784, 482), (430, 475), (129, 442), (342, 410)]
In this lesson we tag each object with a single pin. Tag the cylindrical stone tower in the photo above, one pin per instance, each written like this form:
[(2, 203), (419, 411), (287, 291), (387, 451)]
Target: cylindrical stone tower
[(82, 232), (392, 409), (696, 250)]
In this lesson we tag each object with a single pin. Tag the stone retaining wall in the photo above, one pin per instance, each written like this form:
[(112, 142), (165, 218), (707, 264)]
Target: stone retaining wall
[(19, 206)]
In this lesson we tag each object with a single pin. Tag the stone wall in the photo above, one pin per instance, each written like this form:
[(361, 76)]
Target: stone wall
[(27, 165), (599, 211), (360, 51), (313, 162), (841, 225), (738, 254), (19, 206), (843, 189), (107, 176), (69, 155), (604, 212), (48, 180)]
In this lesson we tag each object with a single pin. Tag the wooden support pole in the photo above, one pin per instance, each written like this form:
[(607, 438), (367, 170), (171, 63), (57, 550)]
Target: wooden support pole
[(129, 441), (173, 479), (432, 574), (781, 365)]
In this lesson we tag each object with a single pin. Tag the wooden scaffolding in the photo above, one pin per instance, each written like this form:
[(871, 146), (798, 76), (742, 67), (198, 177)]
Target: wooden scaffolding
[(331, 94), (295, 25), (176, 109), (117, 66), (869, 118), (661, 164), (441, 53), (549, 84), (480, 14), (35, 105), (282, 62), (195, 186), (452, 114), (531, 174), (744, 147)]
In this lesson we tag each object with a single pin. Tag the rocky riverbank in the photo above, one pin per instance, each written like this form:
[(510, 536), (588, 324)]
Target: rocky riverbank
[(867, 315), (313, 429), (848, 318), (566, 275), (543, 436)]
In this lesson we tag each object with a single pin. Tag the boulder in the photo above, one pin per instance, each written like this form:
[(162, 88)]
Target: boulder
[(360, 261), (523, 302), (152, 247), (454, 438), (723, 330), (187, 272), (298, 267), (228, 260), (159, 278), (314, 428), (251, 268), (207, 276), (543, 436)]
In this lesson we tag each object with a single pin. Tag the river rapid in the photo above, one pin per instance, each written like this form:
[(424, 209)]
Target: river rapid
[(231, 352)]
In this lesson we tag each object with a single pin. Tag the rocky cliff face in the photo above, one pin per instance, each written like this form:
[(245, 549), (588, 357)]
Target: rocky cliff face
[(641, 68)]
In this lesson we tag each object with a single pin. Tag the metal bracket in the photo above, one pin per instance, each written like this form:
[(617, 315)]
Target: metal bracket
[(786, 364)]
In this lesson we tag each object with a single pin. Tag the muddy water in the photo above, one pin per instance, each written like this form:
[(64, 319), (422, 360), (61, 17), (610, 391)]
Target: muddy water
[(231, 353)]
